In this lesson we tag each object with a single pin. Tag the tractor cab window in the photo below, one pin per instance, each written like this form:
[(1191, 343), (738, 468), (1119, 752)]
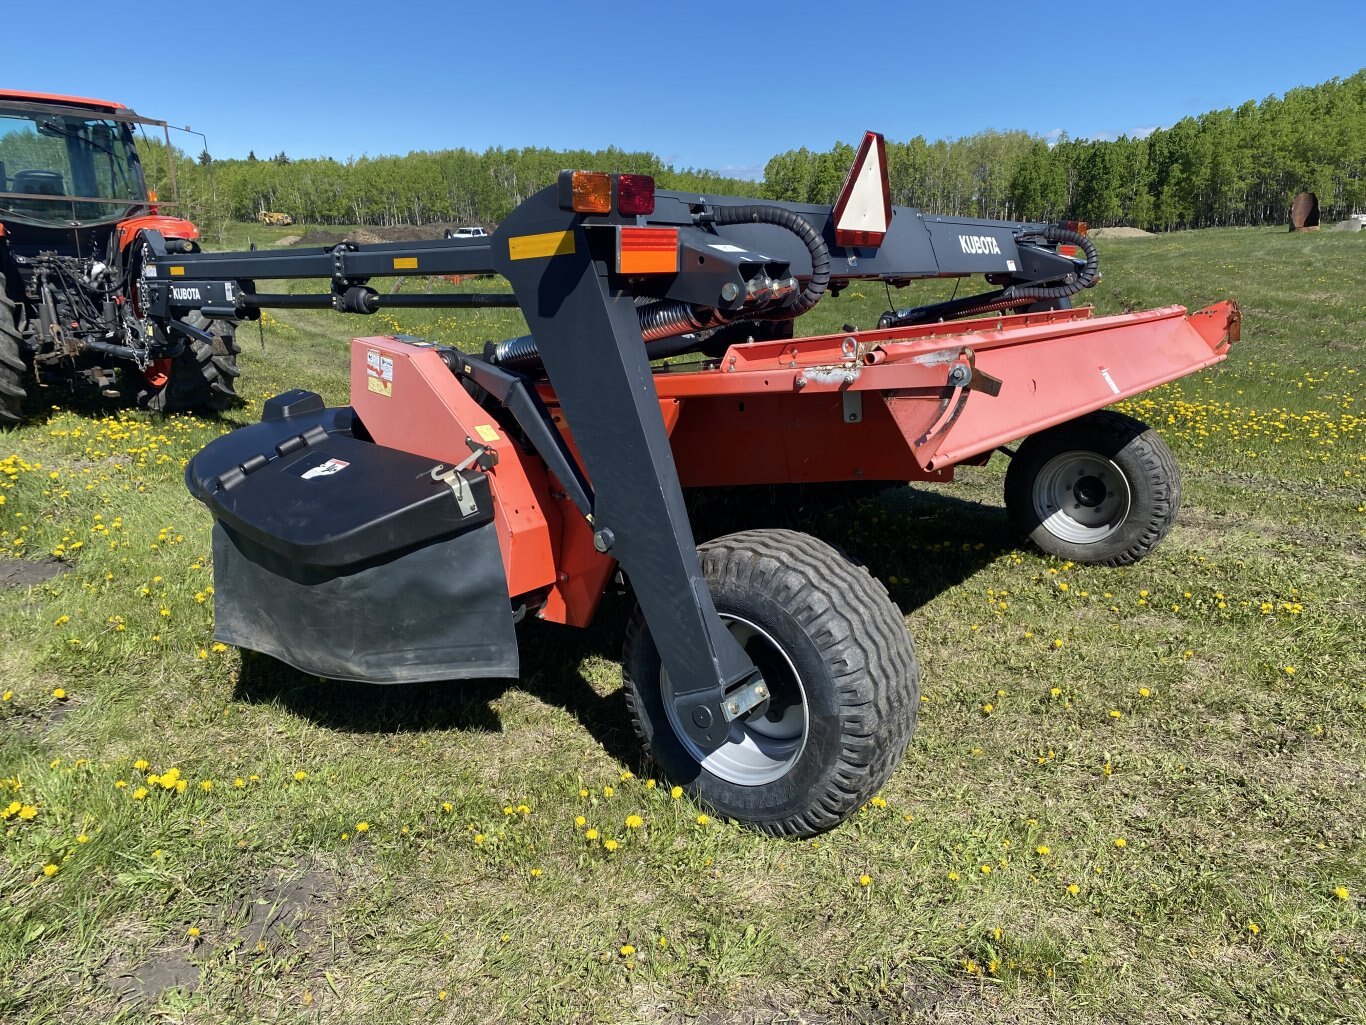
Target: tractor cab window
[(63, 168)]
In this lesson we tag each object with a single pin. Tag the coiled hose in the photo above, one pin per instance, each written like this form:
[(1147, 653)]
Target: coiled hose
[(799, 226), (1027, 295), (669, 317)]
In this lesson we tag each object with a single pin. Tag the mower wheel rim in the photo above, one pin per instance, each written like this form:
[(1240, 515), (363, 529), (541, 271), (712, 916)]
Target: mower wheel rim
[(1081, 497), (757, 752)]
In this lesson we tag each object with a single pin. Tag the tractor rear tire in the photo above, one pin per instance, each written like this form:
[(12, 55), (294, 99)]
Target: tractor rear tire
[(202, 377), (12, 365), (1101, 489), (841, 669)]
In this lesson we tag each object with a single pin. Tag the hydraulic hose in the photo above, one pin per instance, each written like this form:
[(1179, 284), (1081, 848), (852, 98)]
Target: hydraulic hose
[(799, 226), (1086, 279)]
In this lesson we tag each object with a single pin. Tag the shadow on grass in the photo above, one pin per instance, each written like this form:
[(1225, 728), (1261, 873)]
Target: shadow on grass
[(552, 664), (930, 542)]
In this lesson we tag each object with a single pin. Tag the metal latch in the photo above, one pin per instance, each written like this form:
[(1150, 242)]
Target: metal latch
[(485, 457)]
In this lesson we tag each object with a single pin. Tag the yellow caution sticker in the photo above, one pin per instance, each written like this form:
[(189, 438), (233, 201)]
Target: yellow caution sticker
[(405, 263), (381, 387), (486, 432), (177, 272), (531, 247)]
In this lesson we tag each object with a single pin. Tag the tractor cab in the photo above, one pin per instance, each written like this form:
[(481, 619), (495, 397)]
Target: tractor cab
[(67, 166)]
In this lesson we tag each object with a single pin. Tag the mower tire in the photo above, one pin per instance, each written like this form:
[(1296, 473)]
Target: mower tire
[(842, 675), (1101, 489), (202, 376), (12, 366)]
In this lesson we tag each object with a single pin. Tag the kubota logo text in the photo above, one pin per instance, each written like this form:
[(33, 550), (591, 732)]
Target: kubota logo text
[(984, 244), (186, 294)]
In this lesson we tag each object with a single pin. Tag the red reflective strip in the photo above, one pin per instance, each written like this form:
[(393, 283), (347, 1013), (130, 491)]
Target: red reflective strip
[(647, 251), (1067, 250), (871, 239)]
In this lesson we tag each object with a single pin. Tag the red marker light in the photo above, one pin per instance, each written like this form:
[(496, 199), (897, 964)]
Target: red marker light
[(635, 194)]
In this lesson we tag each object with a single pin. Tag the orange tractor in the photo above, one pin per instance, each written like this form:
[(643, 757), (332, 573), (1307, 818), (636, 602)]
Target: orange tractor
[(74, 210)]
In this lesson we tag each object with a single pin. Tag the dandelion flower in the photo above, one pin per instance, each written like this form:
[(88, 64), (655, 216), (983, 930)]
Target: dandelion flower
[(1073, 889), (239, 782), (627, 950), (1121, 843), (610, 845), (634, 822), (82, 839), (59, 693), (580, 821), (362, 827), (442, 995), (300, 776), (865, 880), (986, 870), (49, 870), (447, 807), (703, 819), (139, 793), (1042, 850), (1253, 928), (142, 765), (1144, 692), (535, 873), (583, 791), (478, 837), (1342, 893), (953, 877), (1289, 670), (592, 834), (676, 793), (192, 932)]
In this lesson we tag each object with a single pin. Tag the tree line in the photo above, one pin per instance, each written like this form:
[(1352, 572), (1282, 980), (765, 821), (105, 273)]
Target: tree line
[(1238, 166)]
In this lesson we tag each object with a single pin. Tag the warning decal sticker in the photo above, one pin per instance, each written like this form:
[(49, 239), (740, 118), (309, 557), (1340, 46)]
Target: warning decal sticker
[(326, 469)]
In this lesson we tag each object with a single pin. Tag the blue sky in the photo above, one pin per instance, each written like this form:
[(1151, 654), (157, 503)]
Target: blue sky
[(704, 84)]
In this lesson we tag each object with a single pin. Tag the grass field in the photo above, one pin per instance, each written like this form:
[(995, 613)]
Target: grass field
[(1135, 794)]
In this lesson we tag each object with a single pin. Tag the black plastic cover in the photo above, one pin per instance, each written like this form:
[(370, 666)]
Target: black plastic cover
[(346, 559), (323, 498)]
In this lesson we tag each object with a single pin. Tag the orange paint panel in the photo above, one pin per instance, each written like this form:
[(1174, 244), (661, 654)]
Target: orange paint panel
[(408, 399), (170, 227)]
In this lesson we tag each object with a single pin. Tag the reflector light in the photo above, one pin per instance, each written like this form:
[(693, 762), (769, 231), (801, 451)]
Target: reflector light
[(864, 210), (591, 192), (151, 195), (1078, 226), (1067, 250), (635, 194), (647, 250)]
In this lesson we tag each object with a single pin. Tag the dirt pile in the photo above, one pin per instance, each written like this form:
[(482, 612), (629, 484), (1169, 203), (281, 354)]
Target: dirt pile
[(1119, 233)]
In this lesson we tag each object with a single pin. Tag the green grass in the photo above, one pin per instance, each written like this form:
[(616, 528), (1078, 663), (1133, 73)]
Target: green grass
[(1154, 705)]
